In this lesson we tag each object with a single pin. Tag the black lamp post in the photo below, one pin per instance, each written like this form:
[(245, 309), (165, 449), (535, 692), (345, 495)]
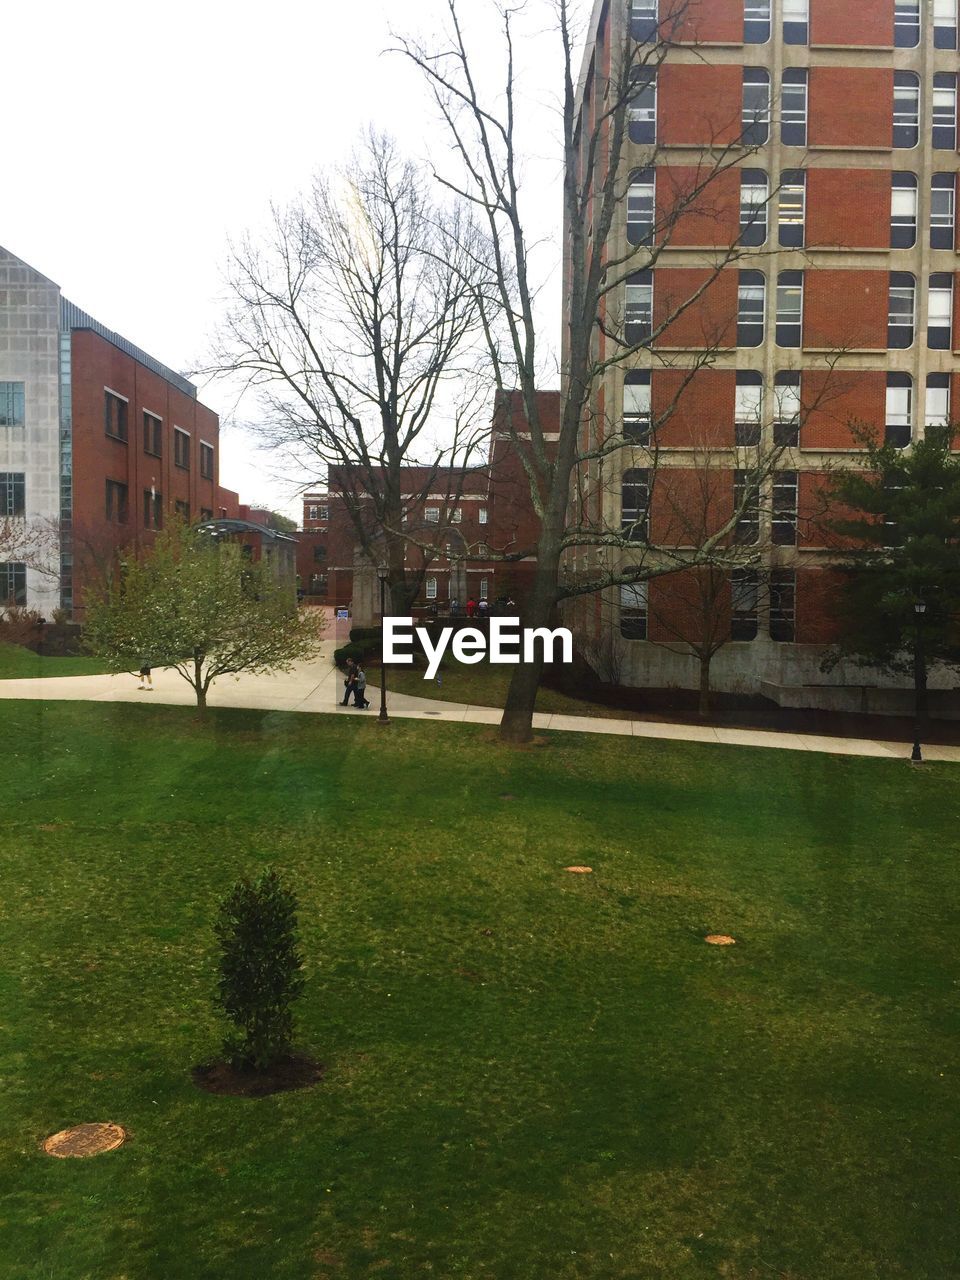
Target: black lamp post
[(383, 573), (919, 682)]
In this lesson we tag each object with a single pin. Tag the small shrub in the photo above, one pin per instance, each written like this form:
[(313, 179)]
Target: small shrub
[(259, 970), (60, 617), (20, 625), (366, 633), (358, 650)]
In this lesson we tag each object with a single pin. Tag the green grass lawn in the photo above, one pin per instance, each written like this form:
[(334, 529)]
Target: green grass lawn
[(484, 685), (529, 1075), (18, 663)]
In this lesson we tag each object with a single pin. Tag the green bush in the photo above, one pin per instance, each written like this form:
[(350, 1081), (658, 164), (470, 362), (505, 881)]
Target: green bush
[(259, 970), (366, 633), (359, 651)]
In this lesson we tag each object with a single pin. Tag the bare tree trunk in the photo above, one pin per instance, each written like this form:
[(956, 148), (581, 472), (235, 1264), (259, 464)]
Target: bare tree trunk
[(516, 726), (703, 709), (199, 685)]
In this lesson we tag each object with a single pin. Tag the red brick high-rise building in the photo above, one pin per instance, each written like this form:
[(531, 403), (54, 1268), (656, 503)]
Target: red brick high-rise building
[(830, 128)]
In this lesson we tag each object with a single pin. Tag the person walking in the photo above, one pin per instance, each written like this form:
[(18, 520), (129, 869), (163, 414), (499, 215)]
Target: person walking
[(483, 609), (360, 689), (146, 676), (349, 676)]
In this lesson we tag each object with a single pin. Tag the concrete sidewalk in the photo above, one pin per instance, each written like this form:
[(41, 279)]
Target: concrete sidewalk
[(316, 687)]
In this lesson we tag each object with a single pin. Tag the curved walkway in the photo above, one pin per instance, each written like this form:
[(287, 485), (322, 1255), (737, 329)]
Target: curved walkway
[(316, 687)]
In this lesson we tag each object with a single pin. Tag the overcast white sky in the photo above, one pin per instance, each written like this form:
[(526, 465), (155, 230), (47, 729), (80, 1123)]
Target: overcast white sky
[(140, 137)]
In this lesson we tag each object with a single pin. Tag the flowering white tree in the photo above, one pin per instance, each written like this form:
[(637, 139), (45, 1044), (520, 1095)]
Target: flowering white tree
[(198, 605)]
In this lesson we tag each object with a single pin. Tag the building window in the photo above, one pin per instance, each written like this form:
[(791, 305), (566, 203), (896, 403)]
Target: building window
[(12, 404), (903, 211), (116, 505), (636, 405), (115, 415), (431, 515), (183, 511), (796, 19), (633, 610), (13, 494), (901, 317), (642, 105), (152, 434), (937, 408), (754, 194), (206, 513), (906, 109), (751, 303), (312, 513), (793, 108), (748, 408), (944, 24), (783, 605), (756, 106), (945, 111), (319, 552), (899, 415), (318, 584), (756, 21), (744, 604), (455, 515), (786, 409), (643, 20), (13, 584), (641, 204), (634, 500), (638, 308), (484, 588), (430, 587), (940, 311), (789, 308), (482, 515), (206, 460), (746, 501), (790, 216), (181, 448), (942, 210), (784, 531), (906, 24), (152, 509)]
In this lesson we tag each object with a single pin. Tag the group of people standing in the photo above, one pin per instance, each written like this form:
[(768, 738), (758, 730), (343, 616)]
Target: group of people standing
[(482, 608), (355, 684)]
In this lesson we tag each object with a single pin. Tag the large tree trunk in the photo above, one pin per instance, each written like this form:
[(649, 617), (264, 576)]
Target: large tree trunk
[(516, 725), (703, 708)]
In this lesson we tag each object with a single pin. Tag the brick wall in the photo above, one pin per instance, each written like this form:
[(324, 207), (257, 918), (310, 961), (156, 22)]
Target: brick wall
[(709, 321), (832, 399), (868, 22), (851, 107), (848, 208), (701, 412), (698, 103), (698, 206), (845, 310)]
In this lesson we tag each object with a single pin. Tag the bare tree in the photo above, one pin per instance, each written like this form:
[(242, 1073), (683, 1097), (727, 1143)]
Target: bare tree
[(357, 324), (33, 542)]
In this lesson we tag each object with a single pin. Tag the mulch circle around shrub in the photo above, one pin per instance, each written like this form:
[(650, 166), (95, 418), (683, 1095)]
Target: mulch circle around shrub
[(85, 1140), (294, 1072)]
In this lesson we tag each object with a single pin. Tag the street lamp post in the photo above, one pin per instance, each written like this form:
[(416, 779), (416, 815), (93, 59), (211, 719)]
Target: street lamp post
[(919, 682), (383, 573)]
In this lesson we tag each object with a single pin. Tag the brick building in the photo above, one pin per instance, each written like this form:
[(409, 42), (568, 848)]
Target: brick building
[(457, 515), (832, 128), (98, 440)]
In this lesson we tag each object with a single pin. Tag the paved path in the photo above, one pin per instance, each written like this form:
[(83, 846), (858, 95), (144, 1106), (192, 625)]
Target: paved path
[(317, 687)]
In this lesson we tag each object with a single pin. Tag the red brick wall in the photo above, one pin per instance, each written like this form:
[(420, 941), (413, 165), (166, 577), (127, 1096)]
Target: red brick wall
[(709, 321), (848, 208), (698, 104), (845, 310), (833, 399), (817, 606), (868, 22), (691, 606), (702, 411), (97, 457), (851, 107), (816, 509), (689, 503), (712, 217), (702, 21)]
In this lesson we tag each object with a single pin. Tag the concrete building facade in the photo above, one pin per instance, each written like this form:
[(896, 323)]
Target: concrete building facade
[(793, 165)]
